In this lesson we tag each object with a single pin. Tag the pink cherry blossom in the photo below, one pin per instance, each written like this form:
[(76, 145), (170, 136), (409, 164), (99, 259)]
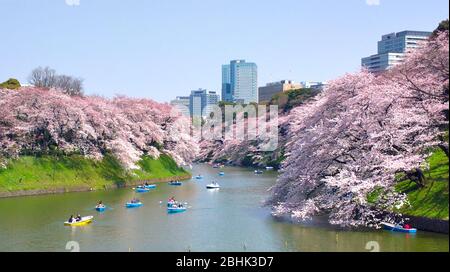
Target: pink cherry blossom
[(35, 120), (362, 131)]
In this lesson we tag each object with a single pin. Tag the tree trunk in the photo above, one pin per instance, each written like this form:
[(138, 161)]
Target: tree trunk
[(444, 148), (417, 176)]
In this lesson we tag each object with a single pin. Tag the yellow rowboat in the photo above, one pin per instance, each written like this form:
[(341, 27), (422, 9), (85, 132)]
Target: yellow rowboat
[(84, 221)]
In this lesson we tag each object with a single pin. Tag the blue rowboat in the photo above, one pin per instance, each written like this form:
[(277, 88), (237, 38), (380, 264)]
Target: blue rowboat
[(100, 208), (150, 186), (176, 209), (142, 190), (133, 205), (221, 173), (198, 177), (175, 183), (397, 228)]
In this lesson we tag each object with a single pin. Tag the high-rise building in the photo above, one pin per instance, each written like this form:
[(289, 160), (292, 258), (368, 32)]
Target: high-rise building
[(182, 103), (392, 49), (201, 102), (240, 82), (226, 83), (267, 92)]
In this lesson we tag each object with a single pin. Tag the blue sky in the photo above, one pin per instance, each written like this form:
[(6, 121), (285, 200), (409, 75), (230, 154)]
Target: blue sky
[(163, 48)]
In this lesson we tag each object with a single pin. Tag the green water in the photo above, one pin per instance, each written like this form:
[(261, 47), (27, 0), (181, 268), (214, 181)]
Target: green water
[(230, 219)]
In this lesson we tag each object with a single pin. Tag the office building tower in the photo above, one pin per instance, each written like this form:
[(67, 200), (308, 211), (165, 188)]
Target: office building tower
[(392, 49), (182, 104), (202, 101), (240, 82)]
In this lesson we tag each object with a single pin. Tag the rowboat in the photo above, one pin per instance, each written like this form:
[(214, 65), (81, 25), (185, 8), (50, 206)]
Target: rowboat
[(133, 204), (150, 186), (213, 186), (221, 173), (199, 177), (258, 172), (142, 190), (175, 183), (397, 228), (84, 221), (176, 209), (100, 208), (269, 168)]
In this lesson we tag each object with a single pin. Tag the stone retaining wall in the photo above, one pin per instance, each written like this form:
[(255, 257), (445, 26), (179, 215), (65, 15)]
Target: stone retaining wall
[(428, 224)]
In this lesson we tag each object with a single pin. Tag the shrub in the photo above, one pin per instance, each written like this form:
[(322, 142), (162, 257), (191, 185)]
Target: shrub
[(12, 84)]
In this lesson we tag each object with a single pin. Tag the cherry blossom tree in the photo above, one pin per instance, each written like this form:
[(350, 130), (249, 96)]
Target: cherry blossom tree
[(359, 135), (253, 132), (35, 120)]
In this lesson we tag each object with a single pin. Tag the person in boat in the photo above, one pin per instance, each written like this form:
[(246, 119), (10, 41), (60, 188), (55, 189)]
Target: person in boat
[(407, 227), (100, 204), (146, 183), (78, 218), (71, 219)]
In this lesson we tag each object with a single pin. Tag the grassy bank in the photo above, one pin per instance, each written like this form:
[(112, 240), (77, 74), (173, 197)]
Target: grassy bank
[(74, 172), (431, 200)]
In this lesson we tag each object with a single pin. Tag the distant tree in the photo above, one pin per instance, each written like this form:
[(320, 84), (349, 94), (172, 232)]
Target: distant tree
[(42, 77), (47, 78), (224, 103), (293, 98), (12, 84), (71, 86)]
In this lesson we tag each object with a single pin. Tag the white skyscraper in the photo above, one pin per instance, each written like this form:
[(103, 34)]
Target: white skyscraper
[(392, 48)]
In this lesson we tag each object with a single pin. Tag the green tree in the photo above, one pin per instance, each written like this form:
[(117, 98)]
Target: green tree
[(293, 98), (12, 84), (222, 104), (443, 26)]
